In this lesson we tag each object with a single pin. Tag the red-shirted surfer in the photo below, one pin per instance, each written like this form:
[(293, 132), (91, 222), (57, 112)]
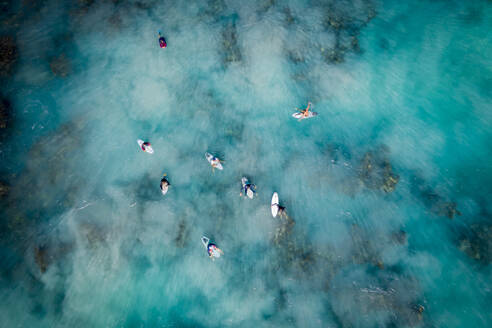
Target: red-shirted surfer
[(162, 41), (145, 146)]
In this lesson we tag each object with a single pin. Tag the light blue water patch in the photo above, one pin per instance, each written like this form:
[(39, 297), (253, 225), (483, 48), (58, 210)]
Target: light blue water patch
[(386, 190)]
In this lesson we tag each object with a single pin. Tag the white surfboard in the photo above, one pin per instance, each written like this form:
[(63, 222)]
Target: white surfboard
[(274, 204), (250, 193), (212, 159), (205, 241), (148, 149), (301, 116)]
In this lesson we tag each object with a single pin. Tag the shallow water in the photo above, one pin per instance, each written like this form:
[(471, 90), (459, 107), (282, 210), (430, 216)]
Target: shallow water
[(387, 190)]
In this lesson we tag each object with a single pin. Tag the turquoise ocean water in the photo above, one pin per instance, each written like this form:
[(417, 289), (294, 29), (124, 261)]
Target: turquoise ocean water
[(387, 191)]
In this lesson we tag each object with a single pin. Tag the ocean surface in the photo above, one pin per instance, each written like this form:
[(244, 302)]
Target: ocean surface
[(388, 190)]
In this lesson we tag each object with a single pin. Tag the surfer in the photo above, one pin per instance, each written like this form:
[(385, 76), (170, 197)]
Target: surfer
[(214, 251), (164, 184), (248, 188), (162, 41), (215, 162), (277, 210), (281, 211), (305, 112), (145, 146)]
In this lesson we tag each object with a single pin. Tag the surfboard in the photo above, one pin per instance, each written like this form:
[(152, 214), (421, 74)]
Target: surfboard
[(274, 205), (211, 248), (250, 193), (210, 158), (164, 186), (205, 241), (300, 116), (148, 149)]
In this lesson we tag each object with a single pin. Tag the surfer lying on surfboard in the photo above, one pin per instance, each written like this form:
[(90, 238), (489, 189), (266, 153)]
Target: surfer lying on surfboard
[(214, 251), (162, 41), (305, 112), (145, 146), (164, 184), (277, 210), (214, 161), (248, 188)]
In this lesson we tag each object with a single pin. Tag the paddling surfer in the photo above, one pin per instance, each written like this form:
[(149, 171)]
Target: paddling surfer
[(305, 112), (164, 184), (162, 41), (248, 188), (214, 251)]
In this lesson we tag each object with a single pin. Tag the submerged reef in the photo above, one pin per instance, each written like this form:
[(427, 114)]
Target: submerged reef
[(50, 156), (60, 66), (214, 8), (81, 8), (294, 251), (48, 252), (433, 201), (231, 51), (346, 26), (182, 235), (8, 55), (41, 258), (399, 237), (376, 171), (363, 250), (447, 209), (477, 242), (283, 230), (47, 185), (395, 295), (5, 112), (4, 189)]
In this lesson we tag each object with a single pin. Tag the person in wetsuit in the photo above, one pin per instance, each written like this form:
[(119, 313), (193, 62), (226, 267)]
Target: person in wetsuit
[(164, 184), (162, 41), (145, 145)]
